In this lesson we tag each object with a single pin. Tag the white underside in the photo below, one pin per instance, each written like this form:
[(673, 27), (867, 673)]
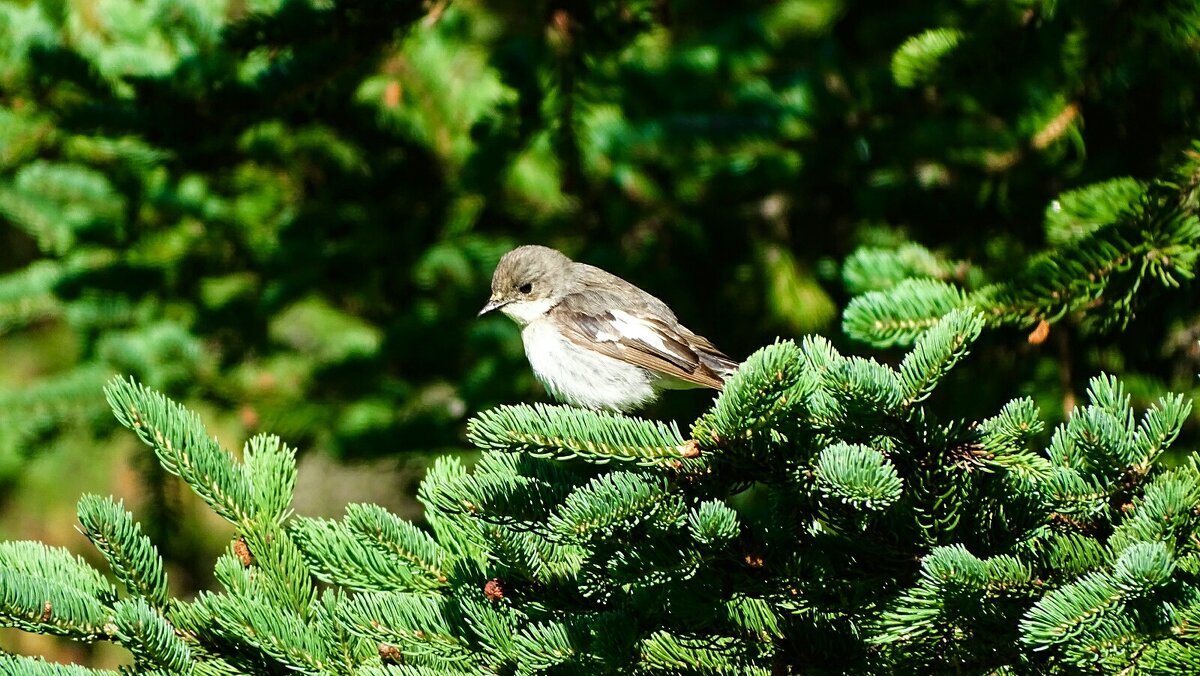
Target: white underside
[(523, 312), (582, 377)]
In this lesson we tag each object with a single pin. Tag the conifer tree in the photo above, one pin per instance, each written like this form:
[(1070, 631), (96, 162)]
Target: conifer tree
[(819, 516)]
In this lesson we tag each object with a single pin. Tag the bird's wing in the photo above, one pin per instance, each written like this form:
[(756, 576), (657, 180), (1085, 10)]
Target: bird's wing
[(647, 342)]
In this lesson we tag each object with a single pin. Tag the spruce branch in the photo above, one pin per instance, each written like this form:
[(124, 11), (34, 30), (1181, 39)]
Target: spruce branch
[(419, 625), (270, 467), (766, 390), (547, 645), (55, 565), (1081, 500), (337, 555), (1164, 513), (663, 650), (35, 214), (130, 554), (18, 665), (1103, 440), (865, 391), (1105, 257), (564, 433), (281, 633), (283, 575), (754, 615), (184, 448), (151, 639), (1072, 554), (416, 670), (345, 649), (236, 574), (1064, 613), (494, 624), (26, 295), (646, 570), (955, 587), (1171, 657), (445, 511), (857, 475), (1075, 214), (1112, 645), (1159, 428), (918, 60), (936, 352), (1092, 442), (1014, 428), (216, 667), (878, 269), (896, 317), (1142, 567), (820, 359), (508, 488), (615, 499), (400, 538), (1007, 439), (535, 564), (529, 555), (536, 556), (1103, 271), (46, 606), (713, 523)]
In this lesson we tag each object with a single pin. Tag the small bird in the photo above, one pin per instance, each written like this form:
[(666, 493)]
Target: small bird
[(593, 339)]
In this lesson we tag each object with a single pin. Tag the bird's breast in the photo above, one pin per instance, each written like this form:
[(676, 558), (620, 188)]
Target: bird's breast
[(584, 377)]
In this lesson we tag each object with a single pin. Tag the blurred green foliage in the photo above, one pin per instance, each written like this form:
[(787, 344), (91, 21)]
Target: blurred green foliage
[(289, 210)]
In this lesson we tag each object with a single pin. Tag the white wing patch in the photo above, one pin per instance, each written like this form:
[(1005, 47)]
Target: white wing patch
[(659, 347), (634, 328)]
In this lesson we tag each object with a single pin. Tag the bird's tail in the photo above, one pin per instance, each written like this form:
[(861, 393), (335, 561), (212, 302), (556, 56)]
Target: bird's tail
[(718, 363)]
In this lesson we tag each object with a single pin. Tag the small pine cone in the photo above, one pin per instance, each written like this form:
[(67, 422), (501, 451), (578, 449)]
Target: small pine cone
[(390, 654), (242, 551), (494, 589), (1039, 333)]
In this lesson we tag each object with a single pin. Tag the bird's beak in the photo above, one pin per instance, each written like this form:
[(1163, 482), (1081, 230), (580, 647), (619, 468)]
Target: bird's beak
[(492, 305)]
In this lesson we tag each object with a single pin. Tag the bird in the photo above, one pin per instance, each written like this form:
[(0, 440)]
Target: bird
[(593, 339)]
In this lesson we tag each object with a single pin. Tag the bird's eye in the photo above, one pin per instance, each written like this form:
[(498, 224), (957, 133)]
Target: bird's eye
[(525, 288)]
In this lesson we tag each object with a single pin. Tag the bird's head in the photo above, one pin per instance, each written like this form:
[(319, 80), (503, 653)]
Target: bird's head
[(528, 281)]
